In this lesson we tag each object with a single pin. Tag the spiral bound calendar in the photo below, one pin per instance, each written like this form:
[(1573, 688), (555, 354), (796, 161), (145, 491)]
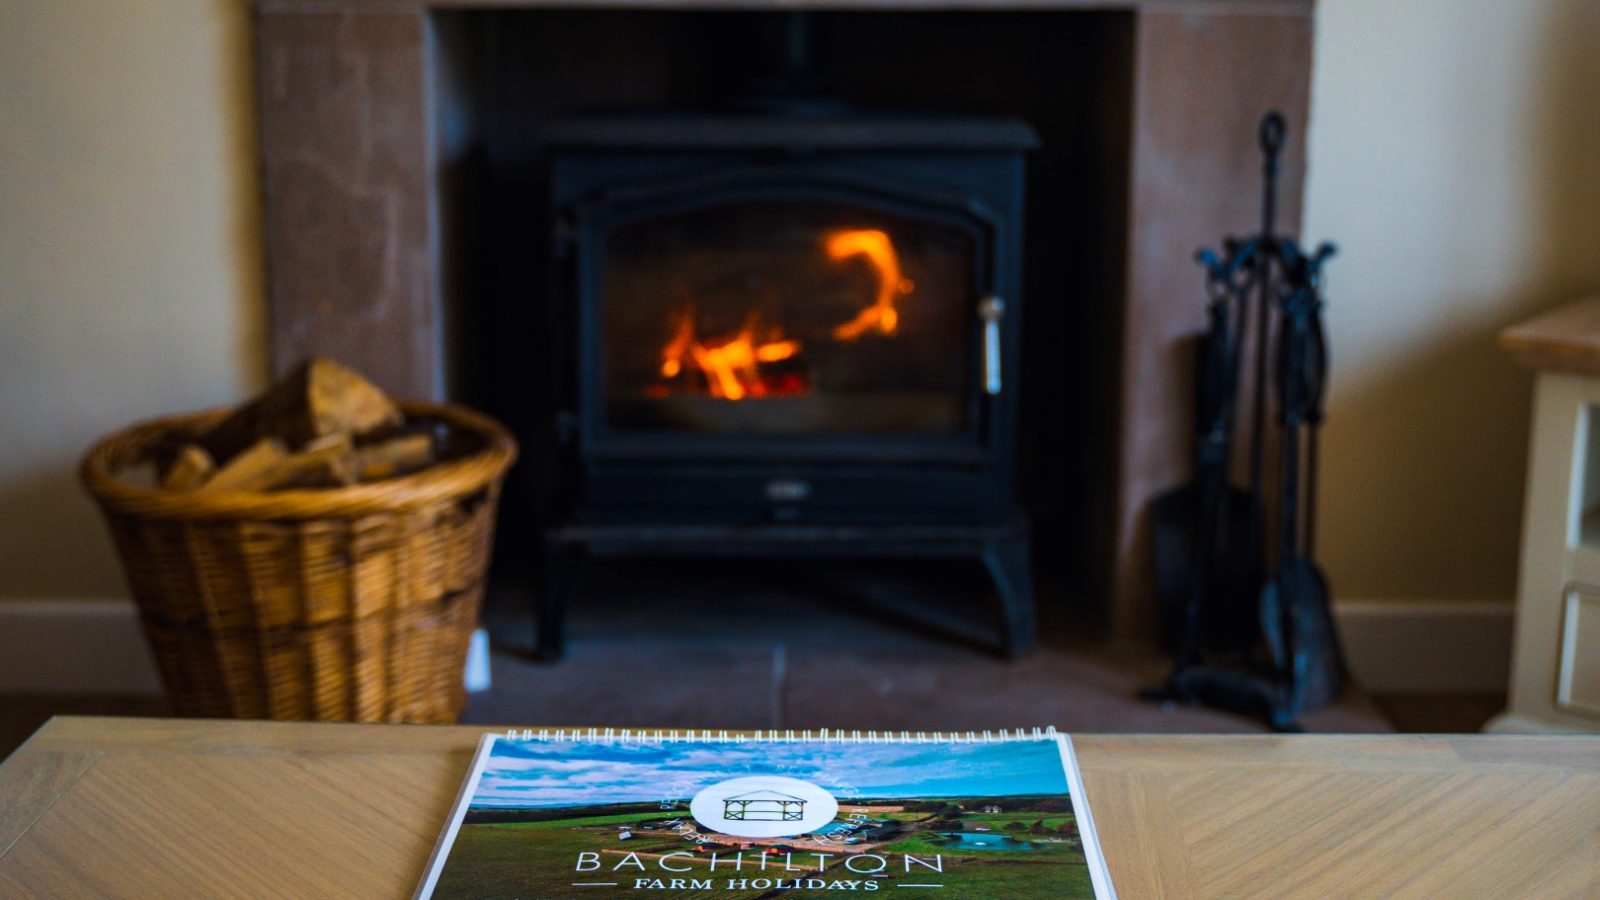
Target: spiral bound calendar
[(610, 813)]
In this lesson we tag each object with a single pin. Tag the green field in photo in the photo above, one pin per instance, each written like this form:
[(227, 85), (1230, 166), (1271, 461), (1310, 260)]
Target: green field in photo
[(537, 860)]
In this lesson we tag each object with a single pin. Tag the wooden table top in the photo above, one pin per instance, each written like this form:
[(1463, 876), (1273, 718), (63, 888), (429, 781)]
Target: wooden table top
[(1565, 339), (152, 807)]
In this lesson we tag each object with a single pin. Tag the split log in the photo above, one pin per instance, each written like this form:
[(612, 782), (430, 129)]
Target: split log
[(329, 473), (325, 462), (192, 467), (329, 399), (248, 471), (394, 457)]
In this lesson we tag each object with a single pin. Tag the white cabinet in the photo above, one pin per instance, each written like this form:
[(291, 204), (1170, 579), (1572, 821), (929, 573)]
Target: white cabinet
[(1555, 665)]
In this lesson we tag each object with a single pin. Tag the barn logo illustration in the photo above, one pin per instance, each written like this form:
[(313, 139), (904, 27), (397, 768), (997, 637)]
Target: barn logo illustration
[(763, 806)]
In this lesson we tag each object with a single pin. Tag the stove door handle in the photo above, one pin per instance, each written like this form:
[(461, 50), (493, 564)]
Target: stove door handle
[(991, 310)]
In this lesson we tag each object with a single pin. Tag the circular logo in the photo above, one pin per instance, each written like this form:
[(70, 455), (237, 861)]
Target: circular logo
[(763, 806)]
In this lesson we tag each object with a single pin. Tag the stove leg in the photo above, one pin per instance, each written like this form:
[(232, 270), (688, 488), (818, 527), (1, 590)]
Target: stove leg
[(1010, 566), (563, 568)]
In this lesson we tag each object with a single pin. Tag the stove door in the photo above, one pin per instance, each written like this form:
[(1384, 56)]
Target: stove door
[(801, 318)]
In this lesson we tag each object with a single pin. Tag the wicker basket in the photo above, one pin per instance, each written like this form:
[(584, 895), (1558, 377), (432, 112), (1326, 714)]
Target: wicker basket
[(350, 604)]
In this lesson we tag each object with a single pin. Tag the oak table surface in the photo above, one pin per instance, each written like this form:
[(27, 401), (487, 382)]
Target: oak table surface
[(107, 807)]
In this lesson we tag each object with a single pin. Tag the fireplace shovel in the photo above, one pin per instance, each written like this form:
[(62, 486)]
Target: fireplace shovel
[(1295, 614)]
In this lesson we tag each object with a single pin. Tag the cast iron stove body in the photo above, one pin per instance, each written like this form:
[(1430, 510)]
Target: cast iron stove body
[(789, 335)]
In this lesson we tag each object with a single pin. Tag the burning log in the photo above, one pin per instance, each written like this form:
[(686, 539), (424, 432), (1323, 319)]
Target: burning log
[(735, 367), (732, 366)]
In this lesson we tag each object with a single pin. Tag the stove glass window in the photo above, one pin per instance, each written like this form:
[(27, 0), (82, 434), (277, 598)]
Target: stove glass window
[(787, 317)]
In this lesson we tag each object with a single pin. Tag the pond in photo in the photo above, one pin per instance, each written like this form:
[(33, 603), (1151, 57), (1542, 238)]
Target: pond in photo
[(966, 840)]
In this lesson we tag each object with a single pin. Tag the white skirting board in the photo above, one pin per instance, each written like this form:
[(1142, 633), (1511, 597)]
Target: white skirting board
[(1428, 647), (94, 647), (74, 647)]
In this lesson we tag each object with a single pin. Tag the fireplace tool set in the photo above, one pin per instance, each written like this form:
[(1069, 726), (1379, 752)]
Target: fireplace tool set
[(1245, 604)]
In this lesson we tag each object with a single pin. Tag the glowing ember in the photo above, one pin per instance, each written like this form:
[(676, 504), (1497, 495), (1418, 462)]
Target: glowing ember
[(879, 251), (732, 367)]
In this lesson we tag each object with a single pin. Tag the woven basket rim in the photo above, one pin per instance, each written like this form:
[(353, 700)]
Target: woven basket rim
[(448, 480)]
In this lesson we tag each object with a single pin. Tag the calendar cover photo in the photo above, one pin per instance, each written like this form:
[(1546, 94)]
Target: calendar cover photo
[(556, 818)]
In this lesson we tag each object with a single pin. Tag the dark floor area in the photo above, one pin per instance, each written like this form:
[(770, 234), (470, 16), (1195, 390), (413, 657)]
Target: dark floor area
[(1440, 713), (658, 645), (21, 715), (786, 646)]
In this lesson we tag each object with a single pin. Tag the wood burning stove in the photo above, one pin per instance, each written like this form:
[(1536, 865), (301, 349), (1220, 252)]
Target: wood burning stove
[(789, 335)]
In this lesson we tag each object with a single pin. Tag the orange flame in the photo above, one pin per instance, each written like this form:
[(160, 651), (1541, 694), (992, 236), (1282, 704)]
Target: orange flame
[(732, 367), (672, 354), (879, 251)]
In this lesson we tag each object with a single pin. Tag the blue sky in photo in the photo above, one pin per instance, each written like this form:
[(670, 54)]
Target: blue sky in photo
[(563, 773)]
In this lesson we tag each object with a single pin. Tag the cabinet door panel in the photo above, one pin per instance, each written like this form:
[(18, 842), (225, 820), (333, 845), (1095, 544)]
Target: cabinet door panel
[(1578, 681)]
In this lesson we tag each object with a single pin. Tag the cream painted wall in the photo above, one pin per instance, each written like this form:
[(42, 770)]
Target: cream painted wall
[(1455, 155), (129, 272)]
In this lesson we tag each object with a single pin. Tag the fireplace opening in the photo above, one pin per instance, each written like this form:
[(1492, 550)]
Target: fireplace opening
[(700, 312), (405, 176)]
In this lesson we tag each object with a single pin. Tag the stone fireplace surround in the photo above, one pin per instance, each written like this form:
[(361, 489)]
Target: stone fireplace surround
[(371, 110)]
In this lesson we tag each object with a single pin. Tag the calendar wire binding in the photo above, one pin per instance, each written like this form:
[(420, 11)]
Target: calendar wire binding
[(788, 735)]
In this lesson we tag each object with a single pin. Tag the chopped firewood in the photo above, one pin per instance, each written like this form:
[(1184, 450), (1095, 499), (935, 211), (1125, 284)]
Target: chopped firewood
[(189, 470), (328, 473), (322, 426), (337, 444), (335, 399), (251, 470), (318, 399), (234, 434), (321, 460), (394, 457)]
